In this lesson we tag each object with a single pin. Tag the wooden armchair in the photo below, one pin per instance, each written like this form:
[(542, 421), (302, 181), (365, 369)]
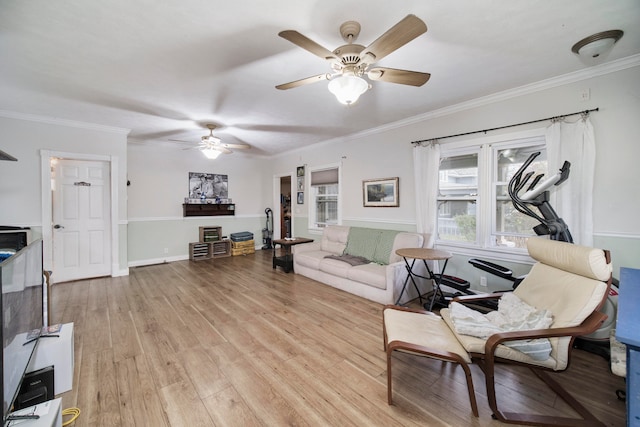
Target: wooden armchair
[(570, 281)]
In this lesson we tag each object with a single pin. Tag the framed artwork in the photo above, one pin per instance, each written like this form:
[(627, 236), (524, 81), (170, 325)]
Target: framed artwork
[(380, 192), (300, 198), (211, 185), (300, 171), (301, 183)]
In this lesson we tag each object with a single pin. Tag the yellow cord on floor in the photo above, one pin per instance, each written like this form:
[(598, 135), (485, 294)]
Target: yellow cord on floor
[(74, 412)]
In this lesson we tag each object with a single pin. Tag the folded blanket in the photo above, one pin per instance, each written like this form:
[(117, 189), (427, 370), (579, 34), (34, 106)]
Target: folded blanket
[(350, 259), (513, 314)]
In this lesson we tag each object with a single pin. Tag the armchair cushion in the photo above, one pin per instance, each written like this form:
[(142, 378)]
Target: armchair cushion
[(513, 314)]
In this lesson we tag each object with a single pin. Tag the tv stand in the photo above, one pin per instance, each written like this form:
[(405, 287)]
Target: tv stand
[(56, 351), (49, 415)]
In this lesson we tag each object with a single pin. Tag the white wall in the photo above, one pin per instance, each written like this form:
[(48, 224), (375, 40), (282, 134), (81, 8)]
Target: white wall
[(24, 137), (159, 176)]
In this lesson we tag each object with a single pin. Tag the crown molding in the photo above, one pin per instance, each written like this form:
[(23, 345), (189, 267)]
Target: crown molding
[(573, 77), (63, 122)]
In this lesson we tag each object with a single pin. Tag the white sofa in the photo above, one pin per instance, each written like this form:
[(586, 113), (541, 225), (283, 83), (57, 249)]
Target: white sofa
[(379, 280)]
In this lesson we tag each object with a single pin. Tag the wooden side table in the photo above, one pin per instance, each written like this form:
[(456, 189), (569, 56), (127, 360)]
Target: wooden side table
[(285, 260), (424, 254)]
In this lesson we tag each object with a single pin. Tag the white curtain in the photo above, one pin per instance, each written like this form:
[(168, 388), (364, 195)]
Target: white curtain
[(573, 199), (426, 162)]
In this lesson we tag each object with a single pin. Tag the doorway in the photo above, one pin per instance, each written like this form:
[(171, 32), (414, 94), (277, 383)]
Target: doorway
[(282, 207), (79, 210), (285, 207)]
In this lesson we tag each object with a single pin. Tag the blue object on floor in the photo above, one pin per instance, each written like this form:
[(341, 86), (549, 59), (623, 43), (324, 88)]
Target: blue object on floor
[(627, 332)]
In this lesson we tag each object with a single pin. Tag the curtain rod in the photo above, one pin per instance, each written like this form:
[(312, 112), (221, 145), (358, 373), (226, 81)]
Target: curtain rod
[(586, 112)]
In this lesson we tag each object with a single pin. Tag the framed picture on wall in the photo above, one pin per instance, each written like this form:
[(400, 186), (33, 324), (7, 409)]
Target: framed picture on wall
[(380, 192), (210, 184), (300, 171), (300, 197), (301, 183)]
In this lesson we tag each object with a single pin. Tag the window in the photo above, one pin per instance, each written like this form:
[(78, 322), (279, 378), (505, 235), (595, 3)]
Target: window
[(458, 197), (324, 201), (474, 207), (511, 228)]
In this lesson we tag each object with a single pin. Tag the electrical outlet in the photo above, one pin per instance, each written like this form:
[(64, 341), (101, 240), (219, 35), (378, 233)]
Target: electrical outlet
[(585, 94), (166, 250), (483, 281)]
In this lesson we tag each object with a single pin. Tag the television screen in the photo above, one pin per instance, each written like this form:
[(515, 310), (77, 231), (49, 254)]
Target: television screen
[(22, 316)]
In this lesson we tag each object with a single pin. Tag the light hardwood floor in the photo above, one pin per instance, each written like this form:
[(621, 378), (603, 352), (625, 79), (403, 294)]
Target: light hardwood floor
[(232, 342)]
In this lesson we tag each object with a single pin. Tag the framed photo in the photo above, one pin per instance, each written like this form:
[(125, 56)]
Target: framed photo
[(301, 183), (380, 192), (210, 184), (300, 171), (300, 198)]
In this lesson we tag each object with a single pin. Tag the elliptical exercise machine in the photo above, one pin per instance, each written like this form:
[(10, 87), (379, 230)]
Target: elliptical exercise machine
[(537, 195)]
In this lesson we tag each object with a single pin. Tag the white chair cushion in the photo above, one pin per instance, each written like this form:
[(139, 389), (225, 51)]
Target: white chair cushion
[(425, 330), (582, 260)]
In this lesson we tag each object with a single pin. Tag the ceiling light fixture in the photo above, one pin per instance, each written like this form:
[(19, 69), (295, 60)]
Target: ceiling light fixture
[(348, 88), (596, 44), (210, 153)]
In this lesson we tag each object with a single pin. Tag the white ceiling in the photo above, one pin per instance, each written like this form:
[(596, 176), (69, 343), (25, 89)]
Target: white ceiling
[(165, 68)]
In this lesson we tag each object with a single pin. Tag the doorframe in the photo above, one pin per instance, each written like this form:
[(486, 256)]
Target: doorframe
[(276, 204), (47, 203)]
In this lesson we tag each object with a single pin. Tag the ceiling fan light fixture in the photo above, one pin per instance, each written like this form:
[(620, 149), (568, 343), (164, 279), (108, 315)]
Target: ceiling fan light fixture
[(211, 153), (348, 88), (595, 45), (211, 139)]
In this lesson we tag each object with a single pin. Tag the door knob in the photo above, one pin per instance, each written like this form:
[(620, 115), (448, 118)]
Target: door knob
[(58, 226)]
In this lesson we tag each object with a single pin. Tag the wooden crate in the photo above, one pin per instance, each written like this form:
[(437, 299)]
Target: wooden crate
[(199, 251), (221, 248), (210, 234)]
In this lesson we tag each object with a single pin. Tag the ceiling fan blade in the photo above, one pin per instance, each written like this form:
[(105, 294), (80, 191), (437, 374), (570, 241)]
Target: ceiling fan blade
[(305, 81), (221, 148), (403, 77), (308, 44), (395, 37), (235, 146)]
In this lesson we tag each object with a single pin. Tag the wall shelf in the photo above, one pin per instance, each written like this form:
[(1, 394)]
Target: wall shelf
[(208, 209)]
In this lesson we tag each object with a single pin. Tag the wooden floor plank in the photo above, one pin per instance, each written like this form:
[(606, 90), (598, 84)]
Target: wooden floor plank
[(139, 400)]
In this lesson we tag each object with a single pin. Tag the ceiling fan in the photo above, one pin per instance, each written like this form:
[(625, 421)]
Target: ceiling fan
[(352, 61), (212, 146)]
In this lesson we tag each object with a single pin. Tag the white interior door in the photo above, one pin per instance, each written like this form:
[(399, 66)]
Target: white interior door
[(81, 220)]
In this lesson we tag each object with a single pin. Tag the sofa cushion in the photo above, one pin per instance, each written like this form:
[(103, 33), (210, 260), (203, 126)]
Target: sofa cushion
[(334, 239), (371, 274), (405, 240), (334, 267), (350, 259), (310, 259)]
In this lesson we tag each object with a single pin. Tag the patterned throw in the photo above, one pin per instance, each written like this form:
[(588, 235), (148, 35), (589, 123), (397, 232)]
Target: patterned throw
[(372, 244)]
